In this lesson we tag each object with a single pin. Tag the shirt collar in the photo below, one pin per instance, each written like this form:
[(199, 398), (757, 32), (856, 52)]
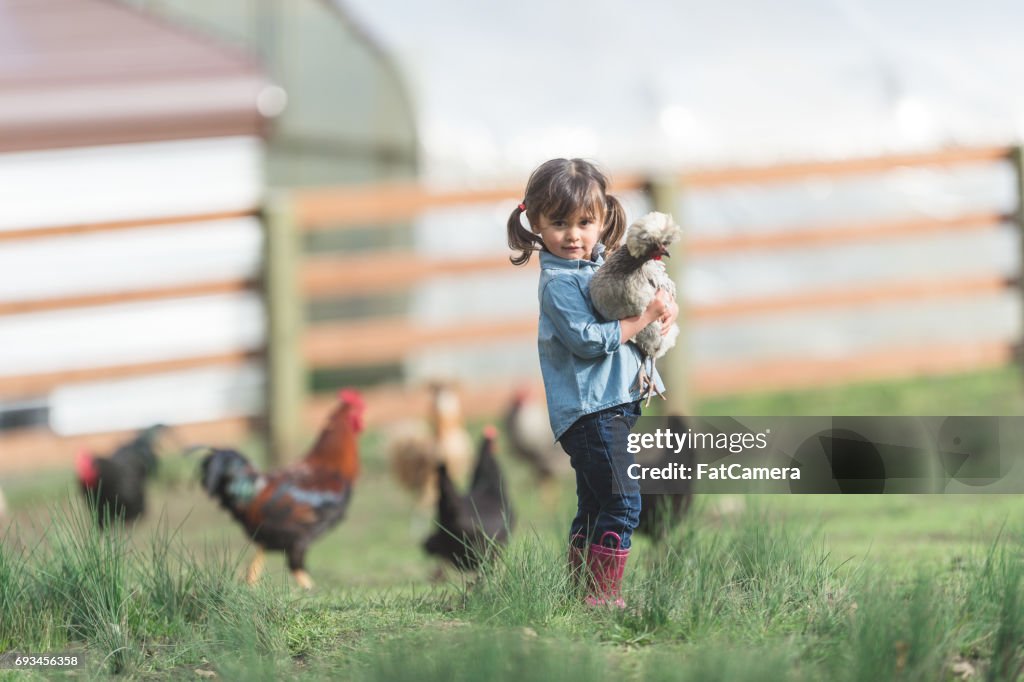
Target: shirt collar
[(550, 261)]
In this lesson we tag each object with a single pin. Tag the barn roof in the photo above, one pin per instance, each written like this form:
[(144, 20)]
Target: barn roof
[(90, 72)]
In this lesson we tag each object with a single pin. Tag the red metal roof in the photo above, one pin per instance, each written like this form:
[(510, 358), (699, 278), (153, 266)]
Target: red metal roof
[(88, 72)]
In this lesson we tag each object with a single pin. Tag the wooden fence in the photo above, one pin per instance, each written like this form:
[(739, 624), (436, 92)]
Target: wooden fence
[(293, 278), (295, 348), (28, 449)]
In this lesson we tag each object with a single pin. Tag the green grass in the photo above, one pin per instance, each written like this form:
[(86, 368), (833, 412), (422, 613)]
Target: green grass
[(741, 598), (771, 587)]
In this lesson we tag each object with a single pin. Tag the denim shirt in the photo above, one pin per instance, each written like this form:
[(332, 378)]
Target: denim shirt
[(585, 367)]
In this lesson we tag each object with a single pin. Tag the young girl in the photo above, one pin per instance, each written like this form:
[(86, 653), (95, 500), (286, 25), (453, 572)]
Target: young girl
[(589, 368)]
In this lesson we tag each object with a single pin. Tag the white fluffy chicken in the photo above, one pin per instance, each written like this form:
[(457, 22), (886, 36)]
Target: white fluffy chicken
[(416, 449), (627, 282)]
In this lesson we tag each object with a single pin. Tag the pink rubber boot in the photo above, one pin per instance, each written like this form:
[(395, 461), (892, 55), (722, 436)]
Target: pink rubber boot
[(607, 566)]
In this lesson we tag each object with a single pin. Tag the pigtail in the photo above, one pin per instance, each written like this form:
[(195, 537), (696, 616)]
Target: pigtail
[(520, 239), (614, 223)]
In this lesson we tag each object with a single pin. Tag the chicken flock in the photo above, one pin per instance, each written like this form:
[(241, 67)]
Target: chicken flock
[(287, 509), (471, 515)]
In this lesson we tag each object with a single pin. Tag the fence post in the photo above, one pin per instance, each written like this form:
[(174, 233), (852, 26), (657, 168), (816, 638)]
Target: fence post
[(285, 368), (1017, 159), (674, 367)]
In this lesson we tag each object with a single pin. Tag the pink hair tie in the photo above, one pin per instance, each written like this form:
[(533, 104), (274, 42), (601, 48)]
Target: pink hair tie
[(522, 207)]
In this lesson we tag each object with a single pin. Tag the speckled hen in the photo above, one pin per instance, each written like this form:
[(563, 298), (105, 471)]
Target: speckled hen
[(627, 282)]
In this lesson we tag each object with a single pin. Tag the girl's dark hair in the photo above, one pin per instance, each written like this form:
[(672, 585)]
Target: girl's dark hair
[(557, 189)]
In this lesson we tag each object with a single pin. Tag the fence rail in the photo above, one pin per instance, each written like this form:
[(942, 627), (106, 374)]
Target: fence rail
[(789, 172), (109, 298), (90, 228), (25, 449), (386, 272), (845, 233)]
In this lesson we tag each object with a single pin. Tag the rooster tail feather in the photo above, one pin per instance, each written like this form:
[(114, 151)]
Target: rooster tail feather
[(148, 448), (141, 451), (229, 477)]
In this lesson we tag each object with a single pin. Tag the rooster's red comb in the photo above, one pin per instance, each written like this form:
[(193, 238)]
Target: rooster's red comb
[(350, 396), (85, 466)]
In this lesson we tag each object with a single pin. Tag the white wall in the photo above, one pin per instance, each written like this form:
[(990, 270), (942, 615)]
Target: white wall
[(125, 183)]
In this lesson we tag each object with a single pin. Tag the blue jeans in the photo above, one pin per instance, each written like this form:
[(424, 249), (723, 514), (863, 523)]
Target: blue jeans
[(608, 499)]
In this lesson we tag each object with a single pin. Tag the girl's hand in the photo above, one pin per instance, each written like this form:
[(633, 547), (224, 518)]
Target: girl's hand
[(658, 308), (655, 310), (669, 318)]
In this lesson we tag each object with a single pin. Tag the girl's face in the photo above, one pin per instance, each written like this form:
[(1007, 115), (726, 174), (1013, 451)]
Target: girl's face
[(572, 237)]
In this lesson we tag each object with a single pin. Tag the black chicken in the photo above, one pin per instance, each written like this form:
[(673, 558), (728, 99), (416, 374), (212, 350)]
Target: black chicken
[(116, 486), (471, 526)]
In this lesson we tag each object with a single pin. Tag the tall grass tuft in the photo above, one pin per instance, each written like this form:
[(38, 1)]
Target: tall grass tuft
[(527, 584), (753, 579), (1007, 663), (21, 621), (778, 570), (898, 630), (83, 587), (991, 608), (89, 571)]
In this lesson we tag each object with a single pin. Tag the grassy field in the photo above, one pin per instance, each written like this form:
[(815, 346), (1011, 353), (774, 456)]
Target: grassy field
[(771, 587)]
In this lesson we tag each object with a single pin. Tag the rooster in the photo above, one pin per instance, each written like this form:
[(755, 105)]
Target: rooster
[(628, 281), (115, 486), (470, 526), (286, 510), (415, 450)]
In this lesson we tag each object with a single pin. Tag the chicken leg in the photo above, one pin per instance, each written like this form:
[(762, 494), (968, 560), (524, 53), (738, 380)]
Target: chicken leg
[(302, 579), (256, 567), (652, 387), (645, 382)]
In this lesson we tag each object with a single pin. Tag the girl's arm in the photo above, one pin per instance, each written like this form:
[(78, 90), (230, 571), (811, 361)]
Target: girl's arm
[(655, 310), (576, 324)]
